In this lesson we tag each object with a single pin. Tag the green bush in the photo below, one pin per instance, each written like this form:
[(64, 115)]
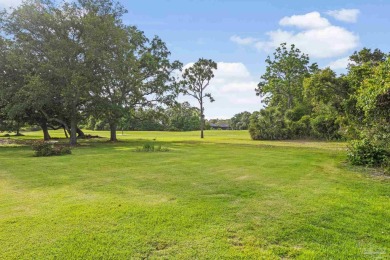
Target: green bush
[(297, 112), (363, 152), (301, 128), (61, 150), (268, 124), (149, 147), (326, 127), (386, 166), (43, 148)]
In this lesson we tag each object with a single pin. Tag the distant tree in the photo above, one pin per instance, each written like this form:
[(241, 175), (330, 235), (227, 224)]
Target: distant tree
[(367, 56), (324, 86), (268, 124), (195, 81), (240, 121), (182, 117), (148, 119), (282, 83)]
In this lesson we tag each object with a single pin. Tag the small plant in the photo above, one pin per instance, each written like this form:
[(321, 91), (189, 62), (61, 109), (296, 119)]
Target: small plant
[(149, 147), (386, 166), (363, 152), (43, 148), (61, 150), (161, 149)]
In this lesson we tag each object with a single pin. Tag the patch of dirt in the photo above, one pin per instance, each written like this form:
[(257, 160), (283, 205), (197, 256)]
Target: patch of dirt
[(12, 143), (7, 141), (244, 177), (378, 173)]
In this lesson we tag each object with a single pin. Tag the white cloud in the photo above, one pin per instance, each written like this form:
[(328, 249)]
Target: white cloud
[(306, 21), (233, 78), (339, 64), (331, 41), (233, 88), (242, 41), (247, 101), (248, 86), (345, 15), (231, 70), (10, 3), (316, 37)]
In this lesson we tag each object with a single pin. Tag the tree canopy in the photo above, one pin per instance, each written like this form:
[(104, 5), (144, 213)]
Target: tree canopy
[(63, 63), (196, 79)]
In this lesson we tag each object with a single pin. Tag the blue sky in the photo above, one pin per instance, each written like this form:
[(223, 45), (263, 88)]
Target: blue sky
[(240, 34)]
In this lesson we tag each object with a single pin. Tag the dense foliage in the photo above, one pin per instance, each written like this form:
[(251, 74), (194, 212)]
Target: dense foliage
[(240, 121), (76, 63), (178, 117), (363, 152), (44, 148), (306, 102)]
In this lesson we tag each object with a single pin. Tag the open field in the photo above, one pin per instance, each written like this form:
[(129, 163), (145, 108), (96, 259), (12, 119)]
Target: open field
[(222, 197)]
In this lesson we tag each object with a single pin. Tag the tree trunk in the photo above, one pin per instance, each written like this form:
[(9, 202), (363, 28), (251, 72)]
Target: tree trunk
[(113, 132), (17, 129), (66, 133), (73, 132), (201, 121), (80, 133), (289, 101), (46, 135)]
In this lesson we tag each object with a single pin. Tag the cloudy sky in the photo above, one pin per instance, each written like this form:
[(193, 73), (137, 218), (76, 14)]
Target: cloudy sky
[(239, 34)]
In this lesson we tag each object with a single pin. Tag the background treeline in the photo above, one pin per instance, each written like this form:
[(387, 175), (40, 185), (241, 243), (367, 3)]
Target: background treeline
[(76, 64), (179, 117), (304, 101)]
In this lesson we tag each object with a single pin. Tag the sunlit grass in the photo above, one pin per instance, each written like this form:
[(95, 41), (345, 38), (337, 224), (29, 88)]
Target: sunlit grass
[(222, 197)]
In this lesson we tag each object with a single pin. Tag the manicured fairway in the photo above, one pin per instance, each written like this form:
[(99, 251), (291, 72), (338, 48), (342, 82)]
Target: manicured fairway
[(225, 197)]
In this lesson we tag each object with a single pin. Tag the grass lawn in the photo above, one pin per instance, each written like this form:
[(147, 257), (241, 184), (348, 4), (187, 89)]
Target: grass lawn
[(225, 197)]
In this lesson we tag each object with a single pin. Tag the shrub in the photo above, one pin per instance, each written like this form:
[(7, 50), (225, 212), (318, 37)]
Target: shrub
[(61, 150), (386, 166), (301, 128), (326, 127), (161, 149), (43, 148), (297, 112), (268, 124), (363, 152), (149, 147)]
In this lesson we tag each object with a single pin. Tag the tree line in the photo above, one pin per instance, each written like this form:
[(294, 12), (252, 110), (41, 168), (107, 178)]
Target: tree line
[(76, 63), (303, 101)]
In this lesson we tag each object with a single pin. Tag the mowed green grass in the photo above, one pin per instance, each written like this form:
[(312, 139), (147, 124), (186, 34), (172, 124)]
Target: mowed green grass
[(224, 197)]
